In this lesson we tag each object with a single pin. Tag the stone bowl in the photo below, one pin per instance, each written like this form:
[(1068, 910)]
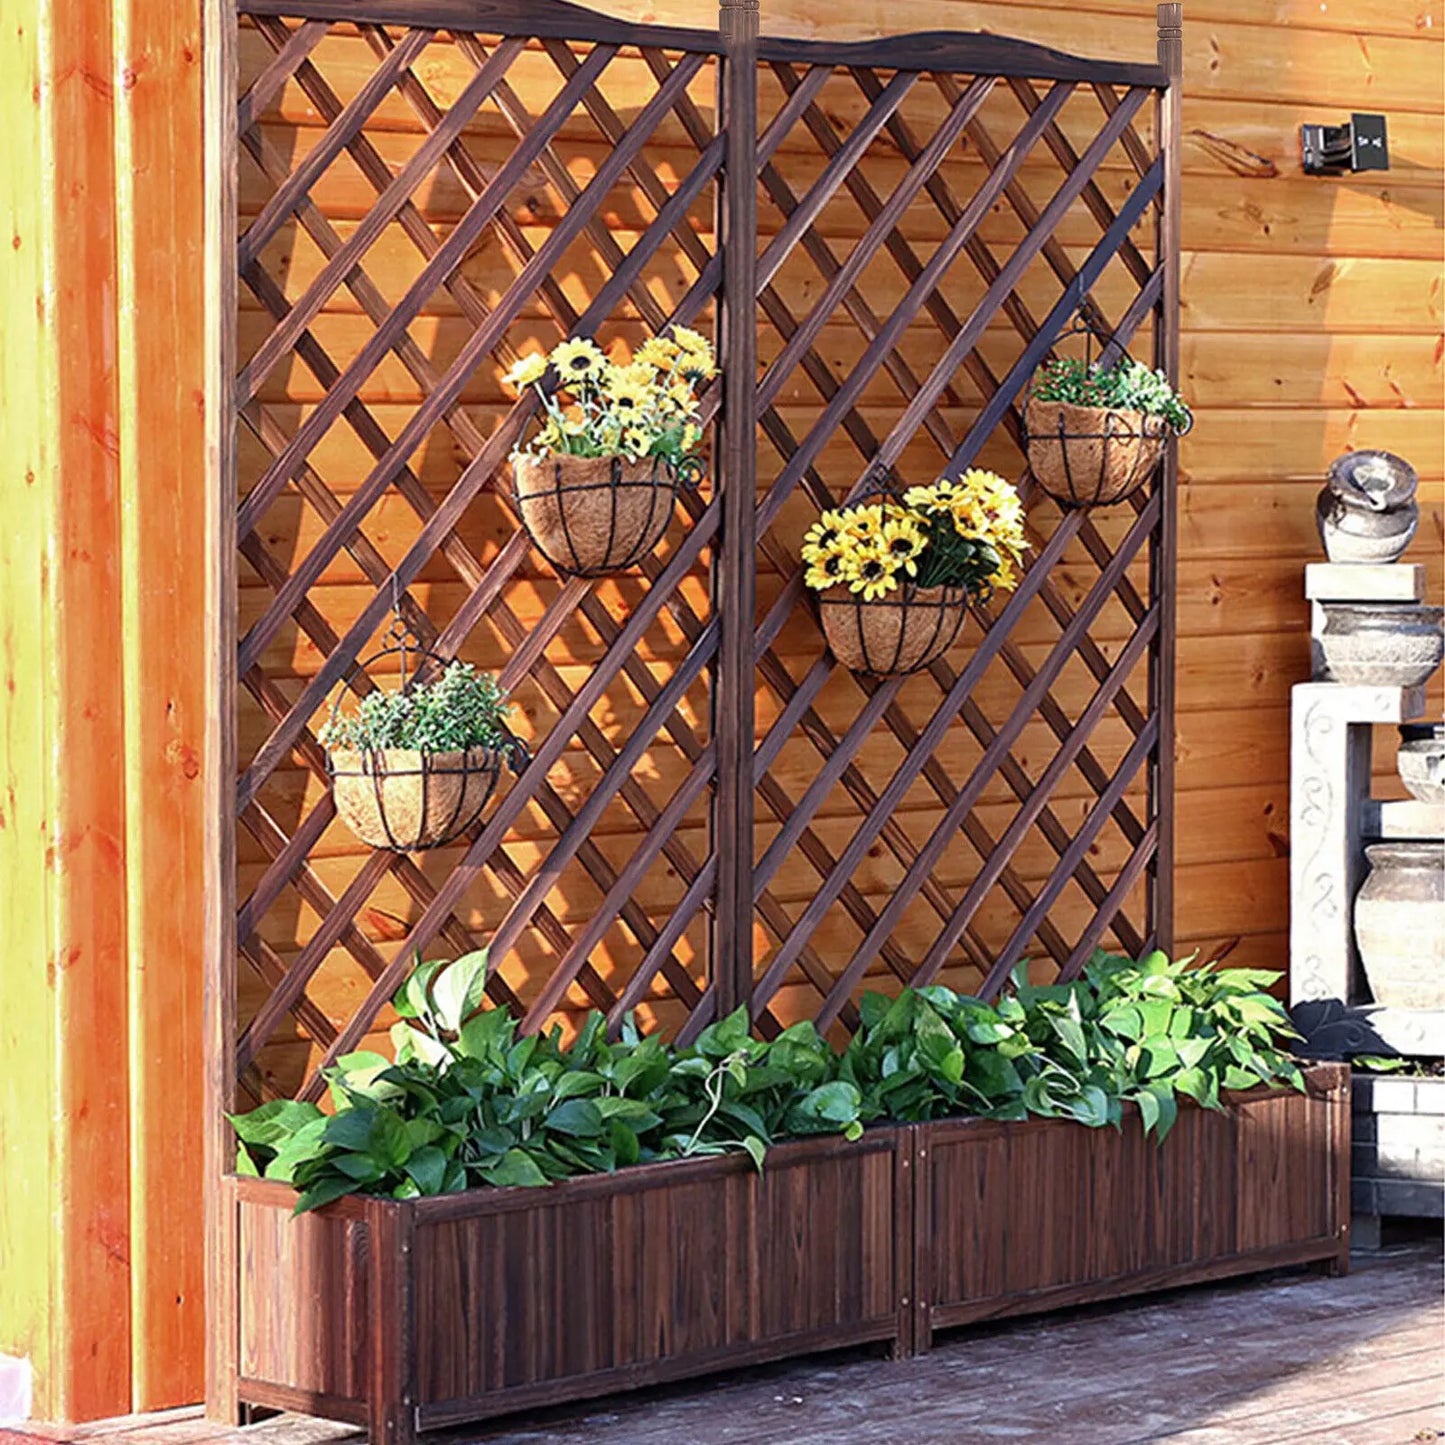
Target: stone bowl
[(1382, 644), (1421, 761)]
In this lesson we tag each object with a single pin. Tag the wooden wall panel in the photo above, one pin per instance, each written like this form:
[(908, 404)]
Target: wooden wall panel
[(65, 1271)]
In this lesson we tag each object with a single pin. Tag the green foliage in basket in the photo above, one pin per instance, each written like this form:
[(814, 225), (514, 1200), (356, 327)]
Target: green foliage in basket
[(468, 1102), (1129, 385), (462, 709)]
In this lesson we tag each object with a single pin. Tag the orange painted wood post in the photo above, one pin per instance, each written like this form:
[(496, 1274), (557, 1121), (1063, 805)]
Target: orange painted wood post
[(160, 298), (64, 1195)]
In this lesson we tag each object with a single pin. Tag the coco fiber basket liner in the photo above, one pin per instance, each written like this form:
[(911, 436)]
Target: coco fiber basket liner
[(1089, 456), (590, 516), (404, 799), (899, 633)]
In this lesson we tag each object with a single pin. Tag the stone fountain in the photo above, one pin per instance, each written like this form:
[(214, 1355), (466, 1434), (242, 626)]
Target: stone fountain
[(1367, 876)]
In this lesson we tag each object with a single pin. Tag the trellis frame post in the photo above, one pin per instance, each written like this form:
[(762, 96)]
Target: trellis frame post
[(735, 586), (1165, 555), (219, 992)]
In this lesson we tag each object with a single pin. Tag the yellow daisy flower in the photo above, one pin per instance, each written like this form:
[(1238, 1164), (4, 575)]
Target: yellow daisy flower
[(826, 570), (626, 396), (904, 541), (864, 522), (871, 573), (658, 352), (579, 359), (526, 370), (824, 534)]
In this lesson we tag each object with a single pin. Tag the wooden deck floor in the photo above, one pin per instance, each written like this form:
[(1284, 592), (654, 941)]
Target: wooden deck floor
[(1298, 1359)]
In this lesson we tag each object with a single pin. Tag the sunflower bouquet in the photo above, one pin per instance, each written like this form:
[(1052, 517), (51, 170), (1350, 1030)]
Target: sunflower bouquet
[(966, 534), (645, 407), (595, 486), (893, 576)]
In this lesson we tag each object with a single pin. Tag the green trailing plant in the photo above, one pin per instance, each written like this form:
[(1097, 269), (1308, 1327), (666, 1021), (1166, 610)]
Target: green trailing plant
[(461, 709), (1128, 385), (467, 1102)]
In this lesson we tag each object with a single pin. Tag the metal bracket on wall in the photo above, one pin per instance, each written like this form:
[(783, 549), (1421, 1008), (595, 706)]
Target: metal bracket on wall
[(1358, 145)]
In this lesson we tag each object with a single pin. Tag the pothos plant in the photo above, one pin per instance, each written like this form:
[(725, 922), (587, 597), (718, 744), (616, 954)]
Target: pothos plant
[(467, 1102)]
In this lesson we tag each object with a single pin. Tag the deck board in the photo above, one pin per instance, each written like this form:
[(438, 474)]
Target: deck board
[(1292, 1359)]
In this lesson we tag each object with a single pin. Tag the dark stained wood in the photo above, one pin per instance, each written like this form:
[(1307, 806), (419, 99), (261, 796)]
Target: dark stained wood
[(735, 582), (472, 1305), (741, 1277), (958, 53), (219, 559), (544, 19), (1248, 1189), (1165, 561)]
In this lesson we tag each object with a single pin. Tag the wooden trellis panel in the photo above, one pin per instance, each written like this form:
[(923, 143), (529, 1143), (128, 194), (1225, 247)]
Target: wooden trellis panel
[(714, 812), (908, 349)]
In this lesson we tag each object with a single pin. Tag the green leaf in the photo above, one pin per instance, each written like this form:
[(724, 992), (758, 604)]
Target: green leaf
[(427, 1169), (323, 1192), (580, 1117), (516, 1168), (757, 1150), (273, 1122), (458, 989)]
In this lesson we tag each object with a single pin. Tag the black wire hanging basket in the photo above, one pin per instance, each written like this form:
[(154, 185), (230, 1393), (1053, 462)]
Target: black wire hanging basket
[(904, 631), (410, 799), (592, 516), (1092, 456)]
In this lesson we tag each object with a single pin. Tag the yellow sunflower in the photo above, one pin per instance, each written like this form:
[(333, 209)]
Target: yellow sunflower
[(823, 535), (825, 570), (872, 572), (904, 541), (658, 352), (864, 522), (526, 370), (626, 396), (579, 359)]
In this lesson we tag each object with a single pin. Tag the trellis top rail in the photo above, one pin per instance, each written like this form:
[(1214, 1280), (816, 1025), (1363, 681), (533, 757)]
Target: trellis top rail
[(954, 52)]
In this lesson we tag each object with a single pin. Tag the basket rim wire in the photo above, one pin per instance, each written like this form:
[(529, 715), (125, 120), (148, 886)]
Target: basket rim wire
[(484, 760), (663, 479)]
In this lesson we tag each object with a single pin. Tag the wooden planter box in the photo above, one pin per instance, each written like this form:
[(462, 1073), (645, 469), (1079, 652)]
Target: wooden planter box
[(415, 1316), (409, 1317), (1017, 1218)]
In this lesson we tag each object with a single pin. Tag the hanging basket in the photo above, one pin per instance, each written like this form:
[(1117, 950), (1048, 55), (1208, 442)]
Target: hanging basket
[(408, 799), (591, 516), (1090, 456), (405, 799), (899, 633)]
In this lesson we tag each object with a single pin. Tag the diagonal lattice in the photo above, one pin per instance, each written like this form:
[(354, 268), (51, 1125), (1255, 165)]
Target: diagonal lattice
[(420, 202)]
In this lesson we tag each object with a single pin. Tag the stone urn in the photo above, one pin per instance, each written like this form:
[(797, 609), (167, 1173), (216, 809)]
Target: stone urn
[(1400, 924), (1421, 761), (1367, 510), (1382, 644)]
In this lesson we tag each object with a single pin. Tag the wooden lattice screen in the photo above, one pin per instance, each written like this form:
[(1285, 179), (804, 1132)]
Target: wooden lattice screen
[(886, 239)]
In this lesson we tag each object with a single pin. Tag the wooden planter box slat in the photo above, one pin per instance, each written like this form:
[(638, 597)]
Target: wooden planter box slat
[(1022, 1217), (416, 1316)]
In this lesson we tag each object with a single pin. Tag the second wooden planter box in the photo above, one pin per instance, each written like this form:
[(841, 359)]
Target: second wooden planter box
[(417, 1316), (1016, 1218)]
